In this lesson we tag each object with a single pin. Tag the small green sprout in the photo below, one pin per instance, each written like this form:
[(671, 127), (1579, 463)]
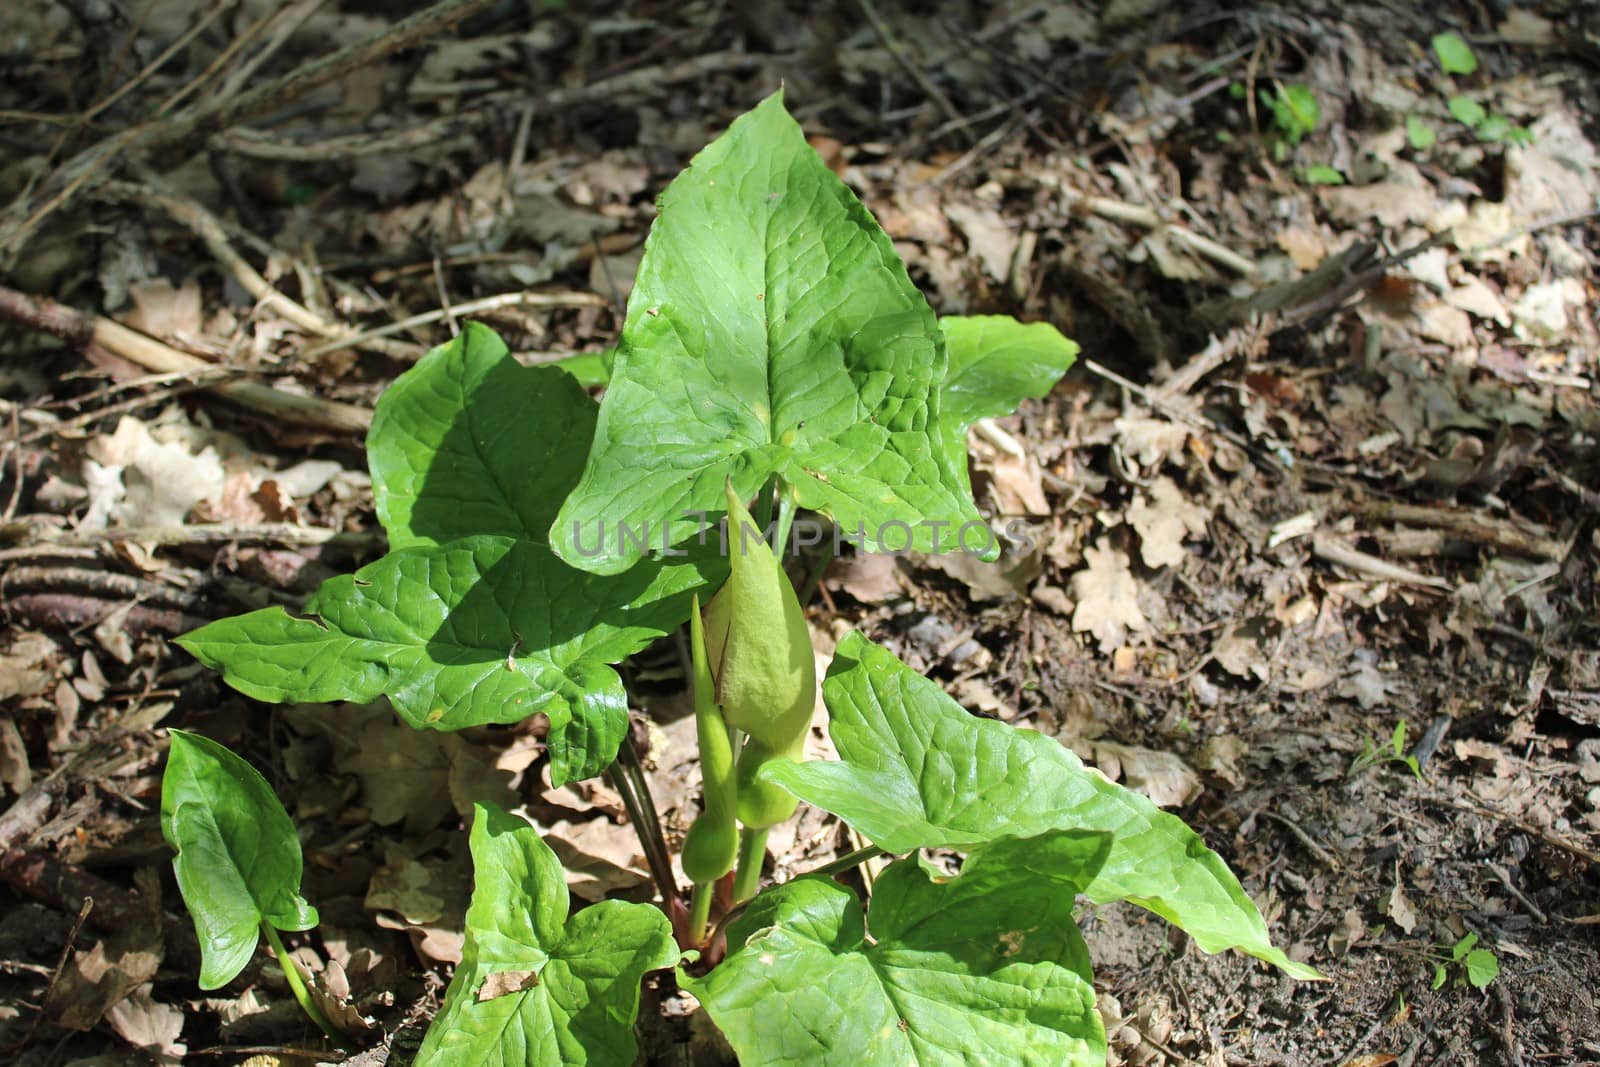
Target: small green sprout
[(1476, 966), (1394, 752)]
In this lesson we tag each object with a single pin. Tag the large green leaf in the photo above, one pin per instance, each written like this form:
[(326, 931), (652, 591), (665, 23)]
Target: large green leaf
[(481, 630), (471, 442), (238, 862), (567, 990), (919, 772), (985, 968), (995, 363), (772, 330)]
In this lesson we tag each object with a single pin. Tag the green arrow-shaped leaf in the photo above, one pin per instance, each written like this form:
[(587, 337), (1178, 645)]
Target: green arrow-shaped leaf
[(238, 862), (995, 363), (471, 442), (985, 968), (481, 630), (918, 772), (772, 330), (462, 630), (535, 987)]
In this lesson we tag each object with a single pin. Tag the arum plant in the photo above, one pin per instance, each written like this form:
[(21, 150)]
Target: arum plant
[(774, 349), (238, 864)]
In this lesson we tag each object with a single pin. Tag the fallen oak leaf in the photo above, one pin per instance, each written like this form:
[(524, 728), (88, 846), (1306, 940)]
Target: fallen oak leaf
[(1107, 597)]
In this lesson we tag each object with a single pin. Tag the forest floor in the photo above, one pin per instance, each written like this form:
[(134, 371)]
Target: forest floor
[(1320, 498)]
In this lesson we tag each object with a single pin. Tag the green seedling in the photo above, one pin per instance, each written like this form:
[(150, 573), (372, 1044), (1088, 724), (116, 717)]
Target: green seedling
[(1322, 174), (1457, 58), (1470, 964), (238, 863), (1295, 111), (1455, 55), (774, 348), (1393, 752)]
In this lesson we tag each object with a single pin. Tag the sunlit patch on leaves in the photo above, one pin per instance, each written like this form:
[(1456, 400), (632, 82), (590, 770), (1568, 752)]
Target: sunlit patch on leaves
[(985, 967), (917, 771), (821, 364)]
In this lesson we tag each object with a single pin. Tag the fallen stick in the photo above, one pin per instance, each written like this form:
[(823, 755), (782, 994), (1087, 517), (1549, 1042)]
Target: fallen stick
[(1469, 526), (1332, 551), (82, 330)]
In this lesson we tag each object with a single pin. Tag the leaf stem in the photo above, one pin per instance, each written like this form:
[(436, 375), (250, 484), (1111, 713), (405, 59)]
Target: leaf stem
[(764, 504), (297, 986), (627, 778), (700, 911), (847, 862), (752, 854)]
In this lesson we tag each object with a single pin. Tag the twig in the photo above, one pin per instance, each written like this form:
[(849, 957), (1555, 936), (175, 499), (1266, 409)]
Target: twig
[(1470, 526), (105, 584), (1122, 211), (1326, 858), (15, 445), (209, 229), (1527, 827), (81, 330), (225, 57), (1505, 879), (55, 975), (215, 533), (526, 298), (1327, 548), (161, 60), (28, 212), (897, 52), (1173, 411)]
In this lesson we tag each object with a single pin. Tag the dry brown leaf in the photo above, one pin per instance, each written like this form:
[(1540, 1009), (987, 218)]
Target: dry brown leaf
[(15, 773), (22, 672), (141, 481), (1017, 484), (1107, 596), (95, 980), (598, 856), (405, 773), (1163, 521), (1400, 910), (1304, 246), (1151, 442), (990, 239), (870, 577), (1161, 776), (148, 1026), (162, 311), (505, 983)]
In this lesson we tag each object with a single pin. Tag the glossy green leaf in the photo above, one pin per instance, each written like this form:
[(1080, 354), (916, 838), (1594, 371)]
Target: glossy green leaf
[(469, 442), (481, 630), (987, 967), (536, 987), (1482, 967), (772, 330), (996, 362), (917, 771), (1455, 55), (238, 862)]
